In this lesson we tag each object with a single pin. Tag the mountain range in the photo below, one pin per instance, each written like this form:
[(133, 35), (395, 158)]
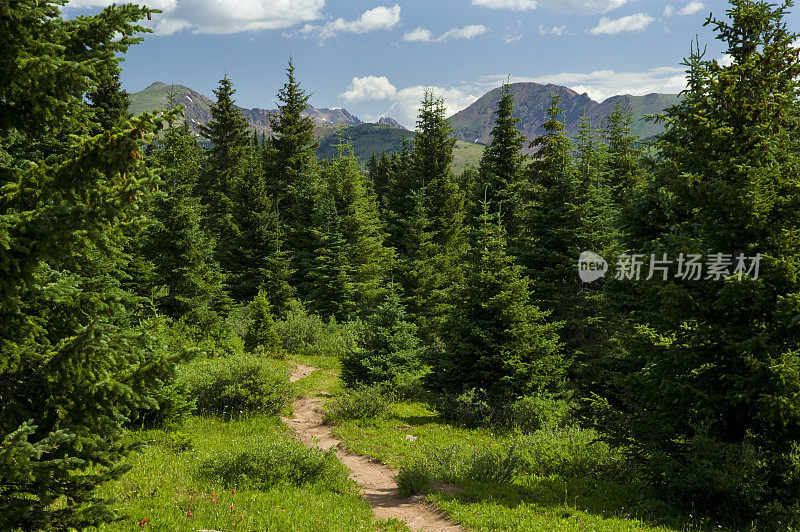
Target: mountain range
[(531, 100), (472, 125)]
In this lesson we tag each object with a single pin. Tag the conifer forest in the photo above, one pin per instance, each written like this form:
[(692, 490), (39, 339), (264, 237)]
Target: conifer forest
[(219, 329)]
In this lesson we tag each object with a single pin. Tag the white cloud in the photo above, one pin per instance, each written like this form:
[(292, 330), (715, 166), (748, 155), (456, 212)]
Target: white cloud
[(516, 5), (223, 16), (513, 34), (369, 88), (584, 7), (669, 10), (378, 18), (635, 22), (555, 30), (691, 8), (405, 102), (421, 34), (602, 84), (726, 60)]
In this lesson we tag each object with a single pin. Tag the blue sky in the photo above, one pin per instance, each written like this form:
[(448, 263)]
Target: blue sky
[(375, 57)]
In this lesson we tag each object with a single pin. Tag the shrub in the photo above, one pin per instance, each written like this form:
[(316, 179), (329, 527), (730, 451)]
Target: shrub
[(270, 462), (241, 383), (493, 464), (569, 452), (724, 478), (414, 479), (471, 408), (532, 412), (260, 332), (307, 334), (364, 402)]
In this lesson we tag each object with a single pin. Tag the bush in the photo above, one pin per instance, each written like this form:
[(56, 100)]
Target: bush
[(237, 384), (364, 402), (570, 452), (260, 332), (306, 334), (531, 413), (493, 464), (168, 401), (471, 408), (725, 479), (414, 479), (271, 462)]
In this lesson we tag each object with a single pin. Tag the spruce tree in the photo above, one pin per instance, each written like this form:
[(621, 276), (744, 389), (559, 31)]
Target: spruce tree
[(291, 173), (432, 161), (110, 102), (187, 279), (421, 273), (226, 165), (495, 339), (347, 189), (624, 171), (389, 348), (331, 290), (501, 172), (710, 399), (73, 369), (549, 242)]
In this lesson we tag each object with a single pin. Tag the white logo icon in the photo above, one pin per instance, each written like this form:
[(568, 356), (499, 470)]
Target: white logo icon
[(591, 266)]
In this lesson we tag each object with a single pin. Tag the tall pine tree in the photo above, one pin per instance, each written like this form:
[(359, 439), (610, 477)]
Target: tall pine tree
[(711, 400)]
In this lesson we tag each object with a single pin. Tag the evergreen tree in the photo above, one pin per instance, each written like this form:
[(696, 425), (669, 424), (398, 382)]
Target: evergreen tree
[(261, 327), (421, 274), (291, 173), (710, 397), (331, 291), (550, 239), (187, 279), (73, 370), (501, 172), (622, 165), (432, 168), (257, 260), (226, 163), (389, 348), (110, 102), (593, 322), (495, 339), (361, 228)]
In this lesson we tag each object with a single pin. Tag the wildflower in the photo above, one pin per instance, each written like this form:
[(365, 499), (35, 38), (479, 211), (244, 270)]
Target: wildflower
[(190, 514), (233, 491)]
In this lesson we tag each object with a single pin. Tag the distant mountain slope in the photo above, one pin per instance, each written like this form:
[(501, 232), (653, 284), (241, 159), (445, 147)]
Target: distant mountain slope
[(196, 108), (367, 139), (531, 100)]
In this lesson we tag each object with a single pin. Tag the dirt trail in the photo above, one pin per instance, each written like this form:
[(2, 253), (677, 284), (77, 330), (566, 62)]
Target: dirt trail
[(377, 482)]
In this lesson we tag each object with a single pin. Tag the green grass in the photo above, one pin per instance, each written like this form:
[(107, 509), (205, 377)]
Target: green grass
[(466, 154), (563, 481), (166, 487)]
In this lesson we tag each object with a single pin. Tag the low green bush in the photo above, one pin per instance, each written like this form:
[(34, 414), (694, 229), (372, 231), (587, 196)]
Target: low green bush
[(568, 451), (533, 412), (363, 402), (471, 408), (307, 334), (414, 479), (237, 384), (265, 463), (493, 464)]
